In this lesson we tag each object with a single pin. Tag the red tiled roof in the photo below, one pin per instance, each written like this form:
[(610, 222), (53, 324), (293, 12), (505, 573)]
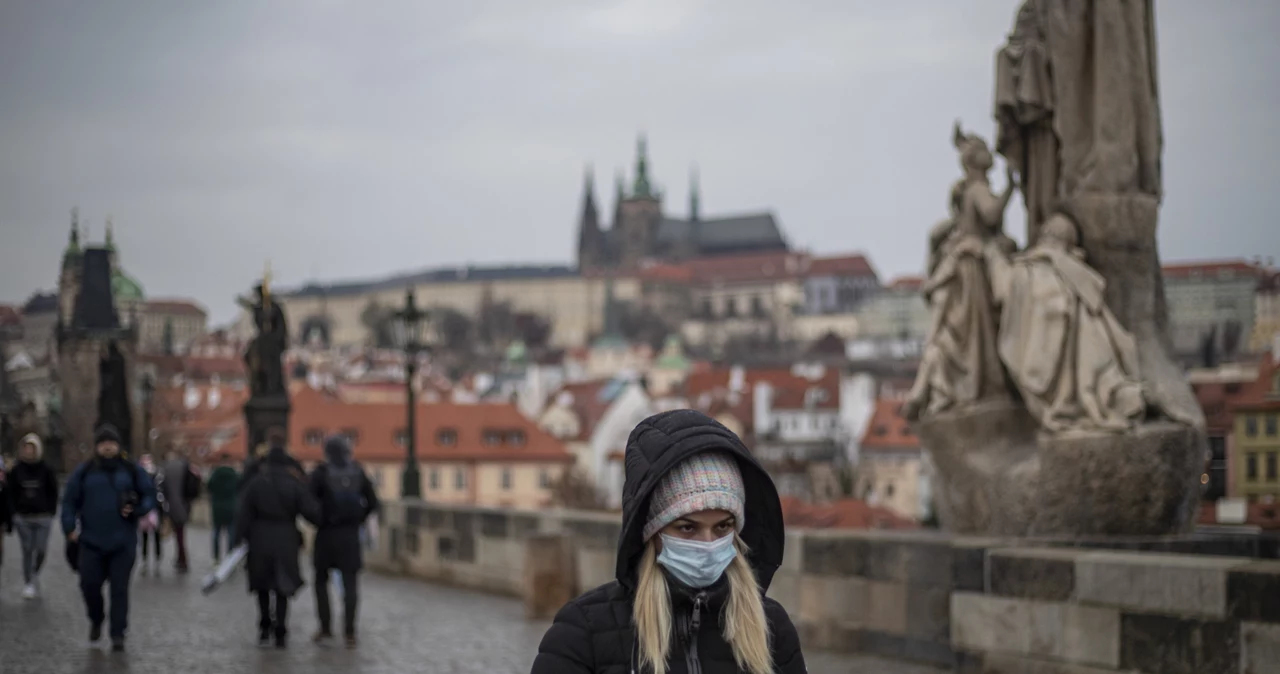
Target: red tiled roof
[(847, 265), (1207, 268), (789, 391), (843, 514), (9, 315), (1260, 394), (175, 306), (664, 271), (376, 426), (587, 405), (888, 430), (907, 283)]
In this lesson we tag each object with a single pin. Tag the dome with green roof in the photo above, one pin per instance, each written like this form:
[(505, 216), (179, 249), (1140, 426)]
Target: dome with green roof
[(517, 353), (124, 288), (673, 357)]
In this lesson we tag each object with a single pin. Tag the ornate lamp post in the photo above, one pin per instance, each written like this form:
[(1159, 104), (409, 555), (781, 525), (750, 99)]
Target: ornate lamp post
[(148, 396), (410, 324)]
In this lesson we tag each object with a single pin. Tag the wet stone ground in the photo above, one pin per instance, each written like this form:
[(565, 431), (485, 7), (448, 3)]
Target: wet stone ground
[(406, 627)]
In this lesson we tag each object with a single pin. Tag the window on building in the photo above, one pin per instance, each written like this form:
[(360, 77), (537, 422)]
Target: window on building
[(313, 436), (730, 307), (888, 490), (506, 478), (708, 309), (401, 437), (352, 435), (460, 478), (491, 438), (434, 478), (1271, 466), (1251, 466), (1251, 426), (446, 437), (515, 438), (1271, 424), (757, 306), (544, 479)]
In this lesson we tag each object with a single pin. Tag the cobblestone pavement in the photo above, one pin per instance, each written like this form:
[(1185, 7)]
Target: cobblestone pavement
[(406, 627)]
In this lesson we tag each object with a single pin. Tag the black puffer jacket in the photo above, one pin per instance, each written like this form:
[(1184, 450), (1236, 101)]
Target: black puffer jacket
[(593, 634)]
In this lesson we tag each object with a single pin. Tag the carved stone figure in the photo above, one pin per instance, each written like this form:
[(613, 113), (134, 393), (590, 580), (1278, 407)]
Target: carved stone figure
[(113, 392), (960, 364), (1074, 364), (1024, 114), (1103, 405), (265, 355)]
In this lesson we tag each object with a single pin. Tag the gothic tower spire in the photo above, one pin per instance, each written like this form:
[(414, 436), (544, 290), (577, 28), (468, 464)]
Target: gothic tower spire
[(589, 236), (642, 189), (694, 198)]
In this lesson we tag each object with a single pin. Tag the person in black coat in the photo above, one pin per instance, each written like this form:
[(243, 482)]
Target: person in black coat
[(267, 520), (347, 498), (702, 536)]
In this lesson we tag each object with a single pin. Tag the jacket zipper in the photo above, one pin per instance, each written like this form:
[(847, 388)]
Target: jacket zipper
[(695, 621)]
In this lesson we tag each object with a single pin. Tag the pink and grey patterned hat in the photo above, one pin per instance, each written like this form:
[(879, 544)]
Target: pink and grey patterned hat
[(709, 481)]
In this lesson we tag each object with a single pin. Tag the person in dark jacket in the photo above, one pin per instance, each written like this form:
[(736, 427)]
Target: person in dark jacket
[(347, 498), (701, 538), (6, 508), (267, 520), (33, 498), (103, 500), (223, 485)]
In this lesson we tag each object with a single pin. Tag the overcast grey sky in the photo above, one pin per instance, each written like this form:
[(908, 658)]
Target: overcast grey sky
[(356, 139)]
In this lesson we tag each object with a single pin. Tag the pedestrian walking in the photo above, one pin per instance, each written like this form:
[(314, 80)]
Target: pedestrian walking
[(347, 498), (701, 538), (223, 486), (6, 509), (267, 520), (33, 501), (181, 486), (151, 526), (101, 505)]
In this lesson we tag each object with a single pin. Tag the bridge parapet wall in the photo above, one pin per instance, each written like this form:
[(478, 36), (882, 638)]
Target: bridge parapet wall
[(973, 604)]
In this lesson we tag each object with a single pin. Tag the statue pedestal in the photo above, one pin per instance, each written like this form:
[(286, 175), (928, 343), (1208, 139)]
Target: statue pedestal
[(263, 413), (997, 474)]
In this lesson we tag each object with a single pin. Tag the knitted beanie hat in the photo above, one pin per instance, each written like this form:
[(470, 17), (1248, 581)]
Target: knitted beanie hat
[(708, 481), (105, 433)]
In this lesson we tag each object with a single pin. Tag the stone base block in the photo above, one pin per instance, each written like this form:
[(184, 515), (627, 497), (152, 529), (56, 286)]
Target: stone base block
[(999, 475)]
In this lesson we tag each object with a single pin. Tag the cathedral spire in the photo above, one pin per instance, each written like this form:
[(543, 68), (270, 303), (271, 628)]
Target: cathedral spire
[(589, 236), (642, 189), (72, 253), (694, 198), (110, 242)]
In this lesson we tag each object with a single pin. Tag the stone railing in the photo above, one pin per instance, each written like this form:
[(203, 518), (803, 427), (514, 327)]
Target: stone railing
[(976, 605)]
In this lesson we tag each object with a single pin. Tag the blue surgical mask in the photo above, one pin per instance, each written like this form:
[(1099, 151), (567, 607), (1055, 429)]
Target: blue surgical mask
[(697, 564)]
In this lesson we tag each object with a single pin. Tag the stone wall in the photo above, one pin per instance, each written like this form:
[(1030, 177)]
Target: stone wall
[(972, 605)]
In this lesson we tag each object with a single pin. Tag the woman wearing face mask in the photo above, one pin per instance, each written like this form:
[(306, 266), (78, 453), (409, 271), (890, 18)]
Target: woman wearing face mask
[(701, 538)]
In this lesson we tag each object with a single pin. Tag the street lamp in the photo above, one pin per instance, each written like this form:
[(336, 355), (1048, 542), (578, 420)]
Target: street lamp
[(148, 397), (410, 324)]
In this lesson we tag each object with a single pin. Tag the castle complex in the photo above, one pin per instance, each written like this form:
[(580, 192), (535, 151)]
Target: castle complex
[(642, 232)]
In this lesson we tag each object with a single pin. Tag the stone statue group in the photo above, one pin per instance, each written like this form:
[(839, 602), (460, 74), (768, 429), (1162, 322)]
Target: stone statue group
[(1034, 323)]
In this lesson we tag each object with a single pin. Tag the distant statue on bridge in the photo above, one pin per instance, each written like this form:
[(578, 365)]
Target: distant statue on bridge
[(265, 355)]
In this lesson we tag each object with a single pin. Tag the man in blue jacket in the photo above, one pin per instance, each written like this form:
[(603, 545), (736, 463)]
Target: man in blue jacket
[(103, 501)]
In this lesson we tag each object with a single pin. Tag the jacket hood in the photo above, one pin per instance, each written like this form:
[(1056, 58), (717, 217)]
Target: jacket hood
[(657, 445), (33, 439), (337, 451)]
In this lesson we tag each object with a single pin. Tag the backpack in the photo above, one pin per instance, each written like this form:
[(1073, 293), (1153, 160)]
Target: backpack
[(344, 491), (124, 463), (190, 485)]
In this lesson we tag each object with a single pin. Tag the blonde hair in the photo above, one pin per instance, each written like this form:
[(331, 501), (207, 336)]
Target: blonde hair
[(745, 627)]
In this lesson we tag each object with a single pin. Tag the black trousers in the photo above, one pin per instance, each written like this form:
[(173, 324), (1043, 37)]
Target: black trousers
[(350, 596), (280, 619), (98, 567), (149, 537)]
